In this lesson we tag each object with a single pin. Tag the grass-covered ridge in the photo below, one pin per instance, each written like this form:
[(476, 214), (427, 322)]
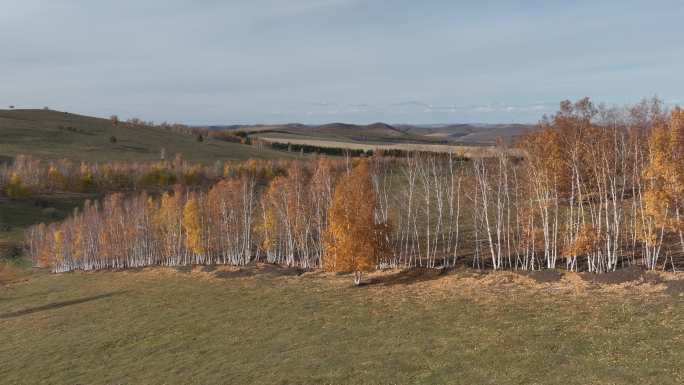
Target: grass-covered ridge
[(48, 134)]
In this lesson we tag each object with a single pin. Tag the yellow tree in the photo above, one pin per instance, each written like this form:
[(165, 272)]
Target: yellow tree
[(56, 180), (273, 228), (193, 226), (354, 242), (167, 225), (59, 245), (676, 176)]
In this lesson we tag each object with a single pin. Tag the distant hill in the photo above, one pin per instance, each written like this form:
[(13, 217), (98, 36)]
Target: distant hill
[(472, 134), (490, 133), (52, 134), (344, 132), (466, 134)]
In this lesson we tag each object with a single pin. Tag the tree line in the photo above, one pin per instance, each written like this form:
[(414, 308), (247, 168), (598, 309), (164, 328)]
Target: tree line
[(597, 189), (26, 176)]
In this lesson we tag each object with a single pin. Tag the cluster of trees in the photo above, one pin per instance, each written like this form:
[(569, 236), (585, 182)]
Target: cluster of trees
[(230, 223), (598, 177), (311, 149), (179, 228), (342, 151), (26, 175), (230, 136), (198, 132), (173, 127), (596, 188)]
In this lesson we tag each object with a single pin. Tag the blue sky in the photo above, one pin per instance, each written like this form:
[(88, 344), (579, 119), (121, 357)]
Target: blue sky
[(399, 61)]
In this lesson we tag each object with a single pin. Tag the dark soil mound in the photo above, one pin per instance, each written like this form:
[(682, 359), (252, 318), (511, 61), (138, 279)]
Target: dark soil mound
[(628, 274), (260, 269), (408, 276), (542, 276)]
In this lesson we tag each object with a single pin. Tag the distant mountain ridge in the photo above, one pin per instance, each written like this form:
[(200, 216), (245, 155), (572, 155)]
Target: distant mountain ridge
[(466, 133)]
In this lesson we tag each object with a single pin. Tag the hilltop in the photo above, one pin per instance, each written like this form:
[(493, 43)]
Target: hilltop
[(50, 134)]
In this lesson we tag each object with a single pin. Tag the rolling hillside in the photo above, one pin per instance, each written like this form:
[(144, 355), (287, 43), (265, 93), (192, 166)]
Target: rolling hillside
[(53, 134)]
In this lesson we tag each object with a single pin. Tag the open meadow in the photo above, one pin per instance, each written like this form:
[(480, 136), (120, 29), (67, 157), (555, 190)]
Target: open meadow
[(270, 325)]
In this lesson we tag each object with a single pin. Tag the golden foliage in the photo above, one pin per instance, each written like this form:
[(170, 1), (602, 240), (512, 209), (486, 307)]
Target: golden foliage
[(193, 226), (15, 188), (354, 243), (56, 180), (665, 172), (59, 245), (587, 241)]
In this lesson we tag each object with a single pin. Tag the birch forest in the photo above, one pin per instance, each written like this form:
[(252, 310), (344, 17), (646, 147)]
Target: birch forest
[(593, 189)]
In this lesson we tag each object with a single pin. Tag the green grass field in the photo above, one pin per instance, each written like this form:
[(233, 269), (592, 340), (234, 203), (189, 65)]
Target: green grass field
[(168, 326), (38, 133)]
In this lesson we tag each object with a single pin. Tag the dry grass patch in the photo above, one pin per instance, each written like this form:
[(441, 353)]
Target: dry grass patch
[(264, 324)]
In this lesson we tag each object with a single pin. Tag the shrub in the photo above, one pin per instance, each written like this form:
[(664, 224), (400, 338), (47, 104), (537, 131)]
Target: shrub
[(56, 180), (191, 178), (15, 188), (86, 183), (158, 178)]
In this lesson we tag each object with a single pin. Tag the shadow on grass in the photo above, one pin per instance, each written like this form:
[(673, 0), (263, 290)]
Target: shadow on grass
[(263, 269), (57, 305), (406, 277), (541, 276), (627, 274)]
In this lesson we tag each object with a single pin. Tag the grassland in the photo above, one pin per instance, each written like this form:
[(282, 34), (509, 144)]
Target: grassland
[(54, 135), (268, 326)]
